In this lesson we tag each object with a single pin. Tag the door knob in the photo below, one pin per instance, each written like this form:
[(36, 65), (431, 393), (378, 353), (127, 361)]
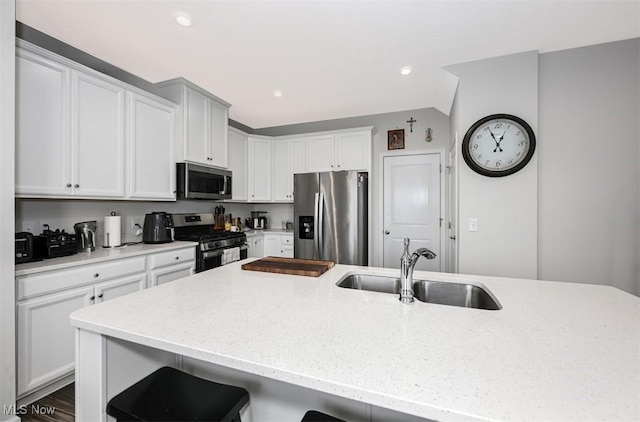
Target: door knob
[(386, 232)]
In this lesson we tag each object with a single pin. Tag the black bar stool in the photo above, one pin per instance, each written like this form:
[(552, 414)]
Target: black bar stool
[(172, 395), (315, 416)]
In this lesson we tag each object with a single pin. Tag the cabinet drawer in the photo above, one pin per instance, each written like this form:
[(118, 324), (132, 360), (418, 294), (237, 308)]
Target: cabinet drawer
[(36, 285), (172, 257), (286, 240)]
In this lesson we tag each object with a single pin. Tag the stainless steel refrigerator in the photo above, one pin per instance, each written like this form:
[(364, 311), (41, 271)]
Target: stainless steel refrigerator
[(331, 216)]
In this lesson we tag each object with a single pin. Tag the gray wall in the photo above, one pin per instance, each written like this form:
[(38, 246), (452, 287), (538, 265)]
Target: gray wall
[(589, 165), (7, 246), (506, 208), (426, 117)]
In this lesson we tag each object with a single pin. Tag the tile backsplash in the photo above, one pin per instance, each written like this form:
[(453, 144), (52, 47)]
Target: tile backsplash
[(64, 213)]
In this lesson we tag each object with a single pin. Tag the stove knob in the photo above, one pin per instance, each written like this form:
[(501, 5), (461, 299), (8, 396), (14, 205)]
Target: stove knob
[(218, 243)]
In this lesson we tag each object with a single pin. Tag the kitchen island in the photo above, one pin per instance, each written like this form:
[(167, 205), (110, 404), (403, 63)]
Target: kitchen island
[(555, 351)]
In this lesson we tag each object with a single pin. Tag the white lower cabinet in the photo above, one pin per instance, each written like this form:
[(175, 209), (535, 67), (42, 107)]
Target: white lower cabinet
[(169, 266), (45, 337), (46, 342), (256, 246), (280, 245)]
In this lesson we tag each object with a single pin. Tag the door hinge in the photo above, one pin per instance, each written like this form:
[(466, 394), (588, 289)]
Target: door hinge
[(441, 221), (440, 168)]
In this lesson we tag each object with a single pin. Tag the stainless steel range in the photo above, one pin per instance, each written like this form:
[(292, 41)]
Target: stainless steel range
[(215, 247)]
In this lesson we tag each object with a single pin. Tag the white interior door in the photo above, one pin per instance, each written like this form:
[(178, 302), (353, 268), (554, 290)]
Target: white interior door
[(411, 196), (452, 211)]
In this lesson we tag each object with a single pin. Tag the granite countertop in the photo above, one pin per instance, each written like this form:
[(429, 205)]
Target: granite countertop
[(99, 255), (555, 351)]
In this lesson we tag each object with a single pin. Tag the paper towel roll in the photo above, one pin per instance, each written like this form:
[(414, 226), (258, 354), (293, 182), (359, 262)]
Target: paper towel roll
[(112, 228)]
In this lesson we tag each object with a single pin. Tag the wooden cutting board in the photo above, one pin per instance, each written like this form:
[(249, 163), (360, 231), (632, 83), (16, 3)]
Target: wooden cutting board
[(294, 266)]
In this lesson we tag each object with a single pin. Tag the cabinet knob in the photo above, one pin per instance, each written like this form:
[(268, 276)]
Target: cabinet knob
[(96, 275), (76, 185), (386, 232), (92, 298), (177, 258), (68, 185), (331, 165), (101, 295)]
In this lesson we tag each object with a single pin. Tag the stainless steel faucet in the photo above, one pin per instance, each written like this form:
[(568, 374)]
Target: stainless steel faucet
[(407, 263)]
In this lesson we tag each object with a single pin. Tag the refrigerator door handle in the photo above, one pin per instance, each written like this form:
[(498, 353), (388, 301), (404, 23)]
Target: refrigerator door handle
[(315, 225), (320, 226)]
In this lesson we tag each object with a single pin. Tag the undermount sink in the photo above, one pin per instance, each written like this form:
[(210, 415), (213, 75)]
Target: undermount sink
[(428, 291)]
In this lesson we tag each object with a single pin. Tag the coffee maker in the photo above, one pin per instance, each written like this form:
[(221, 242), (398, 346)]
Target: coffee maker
[(258, 222), (86, 235)]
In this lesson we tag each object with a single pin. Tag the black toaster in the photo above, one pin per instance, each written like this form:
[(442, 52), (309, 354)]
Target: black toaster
[(25, 248)]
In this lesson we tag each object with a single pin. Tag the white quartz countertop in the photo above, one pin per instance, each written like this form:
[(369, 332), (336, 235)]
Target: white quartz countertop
[(99, 255), (556, 351)]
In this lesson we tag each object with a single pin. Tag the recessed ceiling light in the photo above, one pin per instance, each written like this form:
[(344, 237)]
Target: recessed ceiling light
[(277, 94), (183, 20), (405, 70)]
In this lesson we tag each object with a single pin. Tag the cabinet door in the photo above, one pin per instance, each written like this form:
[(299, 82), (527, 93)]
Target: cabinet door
[(281, 171), (238, 157), (352, 151), (218, 132), (320, 153), (174, 272), (46, 339), (271, 245), (286, 251), (43, 139), (259, 169), (298, 156), (151, 146), (256, 247), (97, 137), (120, 287), (196, 130)]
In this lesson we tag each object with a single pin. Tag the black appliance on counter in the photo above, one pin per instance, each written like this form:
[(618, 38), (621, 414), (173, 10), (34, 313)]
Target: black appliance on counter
[(54, 244), (157, 228), (214, 246), (25, 248)]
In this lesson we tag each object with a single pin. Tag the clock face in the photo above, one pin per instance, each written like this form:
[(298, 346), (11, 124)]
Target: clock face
[(498, 145)]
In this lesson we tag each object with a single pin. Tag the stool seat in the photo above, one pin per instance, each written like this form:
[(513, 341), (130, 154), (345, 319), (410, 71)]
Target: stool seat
[(315, 416), (172, 395)]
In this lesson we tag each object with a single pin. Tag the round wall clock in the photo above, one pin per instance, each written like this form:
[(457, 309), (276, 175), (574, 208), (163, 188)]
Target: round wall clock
[(498, 145)]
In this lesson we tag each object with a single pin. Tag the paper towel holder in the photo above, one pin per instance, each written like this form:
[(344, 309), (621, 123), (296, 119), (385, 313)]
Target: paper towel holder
[(112, 231)]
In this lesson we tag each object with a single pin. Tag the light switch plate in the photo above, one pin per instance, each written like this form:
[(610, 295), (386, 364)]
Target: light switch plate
[(473, 224)]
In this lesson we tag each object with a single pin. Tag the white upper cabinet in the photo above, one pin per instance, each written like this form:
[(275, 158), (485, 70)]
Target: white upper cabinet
[(282, 176), (204, 122), (97, 137), (151, 145), (72, 130), (238, 157), (320, 153), (353, 150), (259, 170), (43, 132), (348, 150), (194, 114), (289, 157)]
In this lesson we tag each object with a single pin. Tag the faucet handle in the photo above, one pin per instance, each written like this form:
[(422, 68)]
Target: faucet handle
[(406, 244)]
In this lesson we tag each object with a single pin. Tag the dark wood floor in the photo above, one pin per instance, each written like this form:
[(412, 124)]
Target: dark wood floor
[(56, 407)]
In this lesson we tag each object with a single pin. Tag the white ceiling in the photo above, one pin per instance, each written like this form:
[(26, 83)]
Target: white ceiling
[(330, 59)]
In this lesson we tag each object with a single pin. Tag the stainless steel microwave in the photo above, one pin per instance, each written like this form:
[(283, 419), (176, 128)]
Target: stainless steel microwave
[(202, 182)]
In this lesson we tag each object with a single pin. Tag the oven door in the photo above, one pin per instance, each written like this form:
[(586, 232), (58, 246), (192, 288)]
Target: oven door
[(213, 259)]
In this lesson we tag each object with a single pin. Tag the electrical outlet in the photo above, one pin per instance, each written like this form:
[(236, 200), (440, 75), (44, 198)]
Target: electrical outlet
[(29, 226), (473, 224)]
